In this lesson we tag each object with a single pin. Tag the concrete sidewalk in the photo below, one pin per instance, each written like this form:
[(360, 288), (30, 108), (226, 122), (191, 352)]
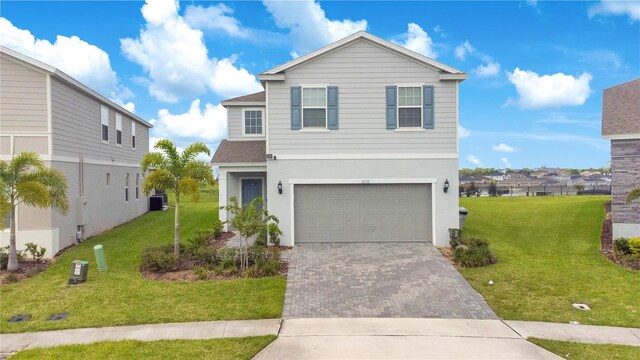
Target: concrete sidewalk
[(10, 343), (429, 339)]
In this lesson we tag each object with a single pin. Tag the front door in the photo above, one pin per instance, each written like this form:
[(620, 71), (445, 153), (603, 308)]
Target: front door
[(251, 189)]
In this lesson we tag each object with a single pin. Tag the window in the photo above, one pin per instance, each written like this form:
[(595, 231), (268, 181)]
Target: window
[(314, 107), (410, 106), (133, 135), (126, 187), (104, 120), (108, 179), (118, 130), (252, 122), (137, 186)]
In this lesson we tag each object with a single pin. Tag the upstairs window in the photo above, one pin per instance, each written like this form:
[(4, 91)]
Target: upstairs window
[(409, 106), (118, 129), (253, 122), (133, 135), (104, 120), (314, 107), (126, 187)]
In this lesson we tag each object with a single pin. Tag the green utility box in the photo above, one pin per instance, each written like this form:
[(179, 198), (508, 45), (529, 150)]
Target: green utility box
[(78, 273)]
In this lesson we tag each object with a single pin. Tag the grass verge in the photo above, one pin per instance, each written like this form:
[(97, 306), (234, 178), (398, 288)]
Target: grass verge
[(574, 350), (548, 251)]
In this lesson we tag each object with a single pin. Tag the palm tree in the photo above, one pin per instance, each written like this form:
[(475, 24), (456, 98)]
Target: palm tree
[(178, 173), (25, 180), (633, 195)]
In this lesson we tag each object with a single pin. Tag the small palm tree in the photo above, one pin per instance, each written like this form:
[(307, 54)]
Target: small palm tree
[(633, 195), (25, 180), (178, 173)]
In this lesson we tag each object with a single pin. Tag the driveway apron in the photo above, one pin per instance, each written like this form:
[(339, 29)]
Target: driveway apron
[(369, 280)]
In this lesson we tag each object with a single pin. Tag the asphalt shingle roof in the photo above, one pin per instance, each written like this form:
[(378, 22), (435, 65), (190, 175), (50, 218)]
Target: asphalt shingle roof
[(240, 152), (621, 109)]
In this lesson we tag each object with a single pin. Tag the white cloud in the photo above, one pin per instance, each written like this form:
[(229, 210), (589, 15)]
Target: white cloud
[(440, 30), (474, 160), (503, 148), (309, 27), (490, 69), (533, 3), (416, 39), (505, 162), (463, 132), (463, 49), (83, 61), (209, 124), (176, 58), (217, 17), (555, 90), (605, 8)]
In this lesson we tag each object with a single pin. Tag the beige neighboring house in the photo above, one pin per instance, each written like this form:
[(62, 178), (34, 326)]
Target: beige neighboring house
[(96, 143), (621, 125)]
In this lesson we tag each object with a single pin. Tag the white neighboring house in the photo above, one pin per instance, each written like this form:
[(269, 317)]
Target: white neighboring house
[(97, 144), (354, 142)]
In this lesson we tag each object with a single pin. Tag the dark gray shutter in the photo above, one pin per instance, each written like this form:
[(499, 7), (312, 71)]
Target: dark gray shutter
[(427, 106), (296, 107), (332, 107), (392, 107)]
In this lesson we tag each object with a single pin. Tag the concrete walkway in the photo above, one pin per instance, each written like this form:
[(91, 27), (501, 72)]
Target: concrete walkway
[(10, 343)]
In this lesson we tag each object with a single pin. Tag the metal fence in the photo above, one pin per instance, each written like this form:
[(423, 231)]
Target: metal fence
[(538, 190)]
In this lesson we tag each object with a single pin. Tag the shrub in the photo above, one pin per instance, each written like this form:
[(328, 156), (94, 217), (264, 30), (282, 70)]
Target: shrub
[(634, 246), (475, 253), (204, 255), (199, 239), (201, 272), (11, 278), (274, 234), (455, 237), (217, 229), (4, 259), (36, 254), (251, 271), (621, 246), (160, 259)]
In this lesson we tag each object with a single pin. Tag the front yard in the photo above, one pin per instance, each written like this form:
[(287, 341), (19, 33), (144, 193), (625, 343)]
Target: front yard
[(122, 296), (548, 251), (574, 350)]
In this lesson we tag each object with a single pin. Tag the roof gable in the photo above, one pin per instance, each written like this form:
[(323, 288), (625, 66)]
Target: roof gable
[(621, 109), (362, 35)]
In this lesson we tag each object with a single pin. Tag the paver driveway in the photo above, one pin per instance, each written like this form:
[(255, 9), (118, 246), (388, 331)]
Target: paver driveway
[(404, 280)]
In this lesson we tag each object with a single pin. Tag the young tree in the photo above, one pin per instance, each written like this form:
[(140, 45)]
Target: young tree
[(25, 180), (579, 188), (493, 189), (633, 195), (178, 173)]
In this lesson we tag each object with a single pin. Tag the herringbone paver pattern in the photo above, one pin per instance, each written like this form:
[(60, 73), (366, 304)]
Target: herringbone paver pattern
[(404, 280)]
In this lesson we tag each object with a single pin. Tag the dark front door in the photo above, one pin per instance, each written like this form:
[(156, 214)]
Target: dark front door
[(251, 189)]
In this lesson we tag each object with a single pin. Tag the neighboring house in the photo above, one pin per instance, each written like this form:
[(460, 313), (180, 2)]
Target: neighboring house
[(354, 142), (498, 176), (97, 144), (621, 125)]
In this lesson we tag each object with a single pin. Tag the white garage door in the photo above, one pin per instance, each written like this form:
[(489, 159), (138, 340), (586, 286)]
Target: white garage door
[(363, 213)]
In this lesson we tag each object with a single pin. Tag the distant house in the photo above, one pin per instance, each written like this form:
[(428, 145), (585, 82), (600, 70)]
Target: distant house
[(96, 143), (497, 176), (621, 125)]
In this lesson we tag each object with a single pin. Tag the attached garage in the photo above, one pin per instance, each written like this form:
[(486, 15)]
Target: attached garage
[(362, 213)]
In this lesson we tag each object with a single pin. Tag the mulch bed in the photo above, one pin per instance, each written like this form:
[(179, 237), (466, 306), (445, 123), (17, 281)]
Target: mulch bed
[(447, 252), (28, 268), (606, 243)]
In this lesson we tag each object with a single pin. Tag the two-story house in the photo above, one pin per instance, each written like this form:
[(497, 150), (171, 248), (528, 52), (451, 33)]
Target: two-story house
[(97, 144), (354, 142), (621, 125)]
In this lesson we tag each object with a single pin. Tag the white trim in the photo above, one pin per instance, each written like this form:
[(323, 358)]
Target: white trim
[(76, 160), (244, 129), (410, 129), (315, 130), (266, 116), (102, 123), (262, 181), (384, 156), (326, 103), (431, 181), (119, 128), (457, 117), (354, 37), (133, 135), (242, 103), (272, 77), (241, 164), (398, 86), (222, 198), (49, 116), (622, 136), (445, 77)]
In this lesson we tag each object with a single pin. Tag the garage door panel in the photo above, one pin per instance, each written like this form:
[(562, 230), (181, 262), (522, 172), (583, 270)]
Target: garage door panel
[(362, 213)]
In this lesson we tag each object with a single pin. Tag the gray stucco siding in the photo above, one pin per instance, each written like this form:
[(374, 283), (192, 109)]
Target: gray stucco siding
[(362, 71), (76, 128), (23, 102)]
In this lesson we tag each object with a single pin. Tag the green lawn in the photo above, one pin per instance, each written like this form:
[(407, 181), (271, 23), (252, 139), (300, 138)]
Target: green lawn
[(240, 348), (123, 297), (548, 258), (573, 350)]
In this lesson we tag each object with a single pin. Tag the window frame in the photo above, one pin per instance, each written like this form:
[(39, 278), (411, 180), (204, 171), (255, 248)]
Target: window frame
[(326, 108), (126, 187), (243, 119), (104, 121), (398, 106), (118, 130), (137, 186), (133, 135)]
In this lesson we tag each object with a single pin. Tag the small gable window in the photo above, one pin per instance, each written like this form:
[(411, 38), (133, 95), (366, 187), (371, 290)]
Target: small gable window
[(253, 123)]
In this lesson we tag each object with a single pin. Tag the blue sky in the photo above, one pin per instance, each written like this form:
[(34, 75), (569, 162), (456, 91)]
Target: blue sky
[(536, 68)]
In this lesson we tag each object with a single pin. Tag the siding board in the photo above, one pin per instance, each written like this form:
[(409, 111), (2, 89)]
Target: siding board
[(20, 86)]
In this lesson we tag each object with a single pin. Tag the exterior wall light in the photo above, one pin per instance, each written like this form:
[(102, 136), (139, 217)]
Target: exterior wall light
[(446, 185), (279, 187)]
